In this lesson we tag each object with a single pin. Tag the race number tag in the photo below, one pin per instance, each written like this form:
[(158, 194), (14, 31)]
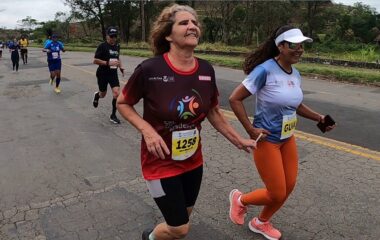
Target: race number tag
[(289, 123), (184, 144), (112, 60), (55, 55)]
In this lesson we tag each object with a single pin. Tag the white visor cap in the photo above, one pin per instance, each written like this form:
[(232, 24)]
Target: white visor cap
[(293, 35)]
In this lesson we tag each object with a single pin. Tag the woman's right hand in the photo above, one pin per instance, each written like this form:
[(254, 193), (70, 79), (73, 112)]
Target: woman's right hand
[(255, 132), (114, 63), (155, 144)]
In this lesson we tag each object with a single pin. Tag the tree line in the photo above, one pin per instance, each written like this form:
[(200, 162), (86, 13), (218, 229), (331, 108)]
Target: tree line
[(230, 22)]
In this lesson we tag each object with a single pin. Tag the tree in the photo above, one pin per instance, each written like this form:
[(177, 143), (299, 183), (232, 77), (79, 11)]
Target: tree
[(28, 23), (122, 14), (90, 9), (142, 20), (63, 24), (363, 19)]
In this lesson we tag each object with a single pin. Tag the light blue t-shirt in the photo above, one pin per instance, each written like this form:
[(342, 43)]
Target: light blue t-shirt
[(278, 95), (47, 41)]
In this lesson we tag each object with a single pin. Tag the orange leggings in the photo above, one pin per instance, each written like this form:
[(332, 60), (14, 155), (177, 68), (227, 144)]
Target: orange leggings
[(277, 165)]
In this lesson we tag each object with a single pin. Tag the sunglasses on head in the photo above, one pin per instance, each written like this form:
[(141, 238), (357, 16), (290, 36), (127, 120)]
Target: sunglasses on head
[(294, 46)]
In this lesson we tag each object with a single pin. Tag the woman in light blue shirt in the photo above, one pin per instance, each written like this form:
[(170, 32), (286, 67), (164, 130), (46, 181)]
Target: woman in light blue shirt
[(277, 86)]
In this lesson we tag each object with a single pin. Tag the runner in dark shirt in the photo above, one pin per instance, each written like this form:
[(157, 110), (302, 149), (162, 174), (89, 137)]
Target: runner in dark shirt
[(1, 48), (15, 56), (179, 92), (107, 57)]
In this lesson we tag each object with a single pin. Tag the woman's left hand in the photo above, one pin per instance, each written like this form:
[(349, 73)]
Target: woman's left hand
[(328, 128), (122, 71)]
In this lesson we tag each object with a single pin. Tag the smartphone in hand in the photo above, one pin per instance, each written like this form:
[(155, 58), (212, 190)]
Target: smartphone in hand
[(328, 122)]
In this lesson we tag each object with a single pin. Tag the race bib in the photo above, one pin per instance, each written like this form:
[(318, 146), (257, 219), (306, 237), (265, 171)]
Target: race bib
[(289, 123), (55, 55), (184, 144), (111, 61)]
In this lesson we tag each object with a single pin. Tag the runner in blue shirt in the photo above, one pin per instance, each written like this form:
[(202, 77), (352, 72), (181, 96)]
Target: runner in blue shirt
[(53, 49)]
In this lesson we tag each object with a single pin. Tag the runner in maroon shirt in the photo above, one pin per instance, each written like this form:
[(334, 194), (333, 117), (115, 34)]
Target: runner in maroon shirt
[(179, 92)]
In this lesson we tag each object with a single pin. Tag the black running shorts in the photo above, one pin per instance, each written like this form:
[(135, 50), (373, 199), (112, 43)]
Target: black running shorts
[(174, 195), (103, 79)]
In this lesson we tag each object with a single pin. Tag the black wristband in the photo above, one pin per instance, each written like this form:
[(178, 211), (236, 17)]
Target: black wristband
[(107, 63)]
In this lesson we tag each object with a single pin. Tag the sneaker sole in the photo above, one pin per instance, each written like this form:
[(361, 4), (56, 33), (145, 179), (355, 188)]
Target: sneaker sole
[(230, 197), (95, 105), (112, 121), (260, 232)]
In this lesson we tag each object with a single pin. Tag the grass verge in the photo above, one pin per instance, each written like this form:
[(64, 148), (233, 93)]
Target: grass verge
[(337, 73)]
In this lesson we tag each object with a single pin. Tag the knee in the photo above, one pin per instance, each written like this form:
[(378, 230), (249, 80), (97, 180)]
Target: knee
[(102, 94), (278, 196), (180, 231)]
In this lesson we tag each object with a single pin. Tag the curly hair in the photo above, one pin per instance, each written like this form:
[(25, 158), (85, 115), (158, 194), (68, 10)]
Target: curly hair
[(265, 51), (163, 25)]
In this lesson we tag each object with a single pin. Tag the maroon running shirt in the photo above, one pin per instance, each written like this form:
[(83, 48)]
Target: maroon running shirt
[(175, 104)]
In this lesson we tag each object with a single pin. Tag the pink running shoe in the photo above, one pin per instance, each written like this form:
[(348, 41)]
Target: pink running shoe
[(266, 229), (237, 211)]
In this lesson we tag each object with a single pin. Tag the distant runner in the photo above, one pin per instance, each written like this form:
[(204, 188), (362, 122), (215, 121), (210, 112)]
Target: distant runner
[(1, 48), (15, 57), (53, 49), (24, 43)]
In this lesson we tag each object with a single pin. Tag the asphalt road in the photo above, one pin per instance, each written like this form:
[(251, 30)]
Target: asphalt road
[(355, 108), (67, 173)]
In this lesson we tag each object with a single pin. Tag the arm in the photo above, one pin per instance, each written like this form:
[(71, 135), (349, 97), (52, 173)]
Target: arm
[(100, 53), (121, 67), (105, 63), (47, 47), (62, 47), (100, 62), (154, 141), (120, 63), (218, 121), (236, 102), (306, 112)]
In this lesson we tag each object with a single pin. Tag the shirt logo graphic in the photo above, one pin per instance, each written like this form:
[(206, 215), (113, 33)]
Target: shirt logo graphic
[(113, 53), (204, 78), (291, 83), (186, 106), (163, 79), (168, 78)]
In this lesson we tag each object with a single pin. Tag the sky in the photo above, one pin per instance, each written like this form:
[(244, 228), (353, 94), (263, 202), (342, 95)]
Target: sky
[(12, 11)]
